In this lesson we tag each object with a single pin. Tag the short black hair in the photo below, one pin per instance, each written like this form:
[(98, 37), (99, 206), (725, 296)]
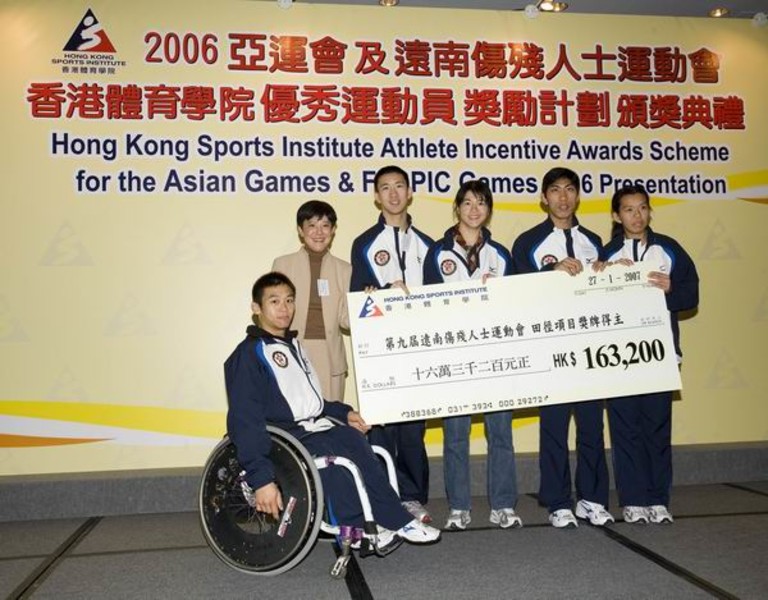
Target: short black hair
[(480, 189), (315, 208), (386, 171), (271, 279), (560, 173)]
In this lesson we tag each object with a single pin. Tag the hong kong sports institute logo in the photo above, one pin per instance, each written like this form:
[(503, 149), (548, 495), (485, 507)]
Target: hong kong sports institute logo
[(89, 36), (370, 309)]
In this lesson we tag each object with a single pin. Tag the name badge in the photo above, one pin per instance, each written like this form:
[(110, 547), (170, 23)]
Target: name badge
[(322, 288)]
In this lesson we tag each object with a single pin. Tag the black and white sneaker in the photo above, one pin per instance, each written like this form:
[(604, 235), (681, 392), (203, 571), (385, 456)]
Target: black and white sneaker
[(636, 514), (506, 518), (563, 519), (658, 513), (594, 512), (387, 541), (457, 520), (417, 532)]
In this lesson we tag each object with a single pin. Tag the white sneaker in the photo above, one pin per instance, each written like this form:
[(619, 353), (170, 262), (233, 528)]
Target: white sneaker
[(563, 519), (417, 532), (386, 541), (635, 514), (658, 513), (506, 518), (595, 512), (417, 509), (457, 520)]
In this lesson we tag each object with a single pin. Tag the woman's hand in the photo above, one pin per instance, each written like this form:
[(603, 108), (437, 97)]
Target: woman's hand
[(601, 265), (660, 280)]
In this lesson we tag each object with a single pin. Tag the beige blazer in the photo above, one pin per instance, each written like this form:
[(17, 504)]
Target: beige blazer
[(338, 273)]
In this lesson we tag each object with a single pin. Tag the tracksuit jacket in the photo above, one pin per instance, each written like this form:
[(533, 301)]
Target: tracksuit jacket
[(668, 257), (641, 425), (270, 381), (383, 254), (539, 248), (447, 260)]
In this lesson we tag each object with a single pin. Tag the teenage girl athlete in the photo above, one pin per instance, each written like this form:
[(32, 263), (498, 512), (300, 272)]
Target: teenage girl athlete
[(641, 426), (465, 253)]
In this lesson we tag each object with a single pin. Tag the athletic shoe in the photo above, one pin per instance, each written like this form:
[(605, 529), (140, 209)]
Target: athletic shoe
[(457, 520), (635, 514), (387, 541), (506, 518), (417, 509), (417, 532), (563, 519), (658, 513), (595, 512)]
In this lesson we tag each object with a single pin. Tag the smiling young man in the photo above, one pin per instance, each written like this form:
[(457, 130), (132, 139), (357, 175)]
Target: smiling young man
[(391, 254), (270, 380), (560, 243), (322, 282)]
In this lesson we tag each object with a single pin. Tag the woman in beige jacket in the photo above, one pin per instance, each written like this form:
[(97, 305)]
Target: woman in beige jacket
[(322, 282)]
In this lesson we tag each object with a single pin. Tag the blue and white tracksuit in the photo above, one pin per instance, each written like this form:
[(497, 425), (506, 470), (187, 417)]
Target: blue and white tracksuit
[(538, 249), (382, 255), (270, 381), (447, 262), (641, 426)]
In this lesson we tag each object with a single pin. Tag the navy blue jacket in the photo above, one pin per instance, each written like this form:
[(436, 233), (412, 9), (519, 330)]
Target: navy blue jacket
[(384, 254), (539, 248), (446, 260), (270, 381), (667, 256)]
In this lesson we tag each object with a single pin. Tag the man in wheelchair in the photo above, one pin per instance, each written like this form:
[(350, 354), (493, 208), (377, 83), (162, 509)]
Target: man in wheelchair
[(269, 380)]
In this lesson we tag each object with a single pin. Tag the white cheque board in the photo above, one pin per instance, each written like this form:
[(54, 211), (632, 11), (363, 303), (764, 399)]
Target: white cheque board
[(514, 342)]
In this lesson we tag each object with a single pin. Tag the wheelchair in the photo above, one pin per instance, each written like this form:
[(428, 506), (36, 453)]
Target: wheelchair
[(255, 543)]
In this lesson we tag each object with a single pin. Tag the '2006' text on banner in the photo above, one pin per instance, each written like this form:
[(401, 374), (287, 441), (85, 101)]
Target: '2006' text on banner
[(513, 342)]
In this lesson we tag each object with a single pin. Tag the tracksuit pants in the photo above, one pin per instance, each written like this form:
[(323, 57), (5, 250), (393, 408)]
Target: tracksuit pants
[(641, 439), (341, 497), (591, 467)]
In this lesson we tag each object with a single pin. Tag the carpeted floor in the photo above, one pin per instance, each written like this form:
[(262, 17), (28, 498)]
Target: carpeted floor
[(717, 547)]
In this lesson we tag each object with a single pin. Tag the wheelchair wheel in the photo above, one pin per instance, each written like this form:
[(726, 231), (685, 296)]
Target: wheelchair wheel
[(250, 541)]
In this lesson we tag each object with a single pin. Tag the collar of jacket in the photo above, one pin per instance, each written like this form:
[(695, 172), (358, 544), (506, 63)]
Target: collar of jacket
[(256, 332), (574, 225), (450, 233), (382, 221)]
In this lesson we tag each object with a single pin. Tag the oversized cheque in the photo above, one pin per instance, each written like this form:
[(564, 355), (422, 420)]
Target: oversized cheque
[(515, 342)]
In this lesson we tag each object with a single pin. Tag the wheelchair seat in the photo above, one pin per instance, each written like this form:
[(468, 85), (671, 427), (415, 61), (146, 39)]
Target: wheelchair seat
[(250, 541)]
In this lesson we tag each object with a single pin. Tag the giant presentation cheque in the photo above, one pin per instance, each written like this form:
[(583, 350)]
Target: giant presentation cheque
[(513, 342)]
